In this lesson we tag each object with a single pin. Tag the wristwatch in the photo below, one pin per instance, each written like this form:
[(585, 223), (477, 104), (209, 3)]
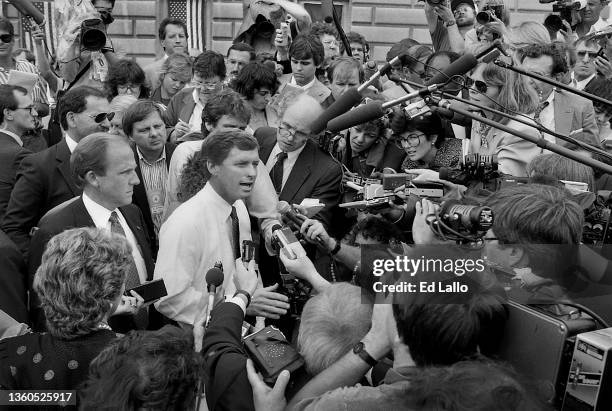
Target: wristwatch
[(360, 350), (246, 294), (450, 23)]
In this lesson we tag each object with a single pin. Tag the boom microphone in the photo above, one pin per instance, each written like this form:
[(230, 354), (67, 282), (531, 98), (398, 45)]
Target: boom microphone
[(214, 278), (361, 114), (345, 102), (457, 68)]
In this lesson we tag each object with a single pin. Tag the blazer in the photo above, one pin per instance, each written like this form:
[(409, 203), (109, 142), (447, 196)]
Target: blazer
[(315, 174), (13, 276), (573, 112), (318, 91), (73, 214), (11, 154), (141, 200), (43, 181), (180, 107)]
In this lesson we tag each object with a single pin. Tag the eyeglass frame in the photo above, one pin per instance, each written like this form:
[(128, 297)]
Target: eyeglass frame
[(399, 139), (207, 86), (99, 118), (30, 108), (479, 85), (287, 130), (132, 87), (7, 35)]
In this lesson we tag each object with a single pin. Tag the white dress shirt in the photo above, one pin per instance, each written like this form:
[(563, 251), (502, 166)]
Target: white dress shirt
[(70, 142), (304, 87), (580, 85), (15, 136), (547, 117), (100, 215), (195, 121), (287, 165), (191, 241)]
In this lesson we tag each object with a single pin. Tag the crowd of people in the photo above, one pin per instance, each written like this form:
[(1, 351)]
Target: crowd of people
[(167, 171)]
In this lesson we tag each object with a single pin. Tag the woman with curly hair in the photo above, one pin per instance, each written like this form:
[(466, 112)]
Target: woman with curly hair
[(257, 83), (125, 77), (80, 283)]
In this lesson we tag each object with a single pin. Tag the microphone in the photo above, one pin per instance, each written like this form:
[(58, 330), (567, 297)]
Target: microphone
[(296, 219), (214, 278), (457, 68), (345, 102)]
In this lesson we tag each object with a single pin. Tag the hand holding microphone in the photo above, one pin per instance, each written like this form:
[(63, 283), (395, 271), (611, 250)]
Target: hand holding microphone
[(214, 279)]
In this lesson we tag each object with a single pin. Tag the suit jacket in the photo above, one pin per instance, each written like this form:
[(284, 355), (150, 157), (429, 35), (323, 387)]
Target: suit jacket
[(573, 112), (227, 384), (318, 91), (43, 181), (180, 108), (73, 214), (11, 154), (315, 174), (141, 200), (13, 275)]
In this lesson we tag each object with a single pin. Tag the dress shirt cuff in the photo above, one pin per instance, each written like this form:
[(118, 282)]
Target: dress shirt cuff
[(238, 301)]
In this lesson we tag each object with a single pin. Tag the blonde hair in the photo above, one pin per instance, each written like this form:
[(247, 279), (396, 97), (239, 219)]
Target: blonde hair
[(516, 95)]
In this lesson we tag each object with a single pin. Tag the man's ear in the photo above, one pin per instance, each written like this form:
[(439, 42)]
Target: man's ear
[(92, 179), (213, 169), (208, 126), (515, 254), (70, 120), (8, 114)]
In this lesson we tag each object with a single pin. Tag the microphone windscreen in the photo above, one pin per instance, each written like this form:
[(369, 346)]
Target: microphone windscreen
[(457, 68), (214, 276), (345, 102), (359, 115), (283, 207)]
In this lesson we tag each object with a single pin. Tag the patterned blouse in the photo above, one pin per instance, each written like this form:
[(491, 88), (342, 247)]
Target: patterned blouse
[(448, 155)]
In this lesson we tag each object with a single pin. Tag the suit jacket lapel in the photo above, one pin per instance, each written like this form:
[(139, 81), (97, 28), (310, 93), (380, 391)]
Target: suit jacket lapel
[(299, 172), (141, 237), (188, 106), (62, 155), (80, 214), (564, 113)]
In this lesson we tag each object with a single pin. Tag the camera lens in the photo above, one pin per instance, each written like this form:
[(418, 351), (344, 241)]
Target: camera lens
[(553, 22), (483, 17)]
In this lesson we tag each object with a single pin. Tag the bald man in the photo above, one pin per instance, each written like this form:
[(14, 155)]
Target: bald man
[(298, 168)]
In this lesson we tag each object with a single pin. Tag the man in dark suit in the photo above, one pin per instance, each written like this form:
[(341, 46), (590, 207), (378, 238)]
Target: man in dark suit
[(104, 167), (13, 297), (44, 179), (298, 168), (143, 124), (17, 115)]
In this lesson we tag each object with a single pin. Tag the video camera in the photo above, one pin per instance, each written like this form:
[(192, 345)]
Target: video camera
[(474, 168), (488, 12), (567, 10), (462, 223)]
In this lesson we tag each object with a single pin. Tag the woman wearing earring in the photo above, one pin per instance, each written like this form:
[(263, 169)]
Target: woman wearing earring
[(80, 284), (503, 90), (425, 143)]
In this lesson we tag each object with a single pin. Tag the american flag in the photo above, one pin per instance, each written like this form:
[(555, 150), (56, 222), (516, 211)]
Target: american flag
[(192, 13), (46, 7)]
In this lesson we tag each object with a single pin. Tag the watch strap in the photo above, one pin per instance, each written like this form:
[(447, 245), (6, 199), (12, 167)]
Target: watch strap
[(361, 352), (246, 294)]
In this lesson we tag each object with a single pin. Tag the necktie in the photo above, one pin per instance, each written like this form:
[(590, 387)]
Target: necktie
[(276, 174), (132, 280), (235, 233)]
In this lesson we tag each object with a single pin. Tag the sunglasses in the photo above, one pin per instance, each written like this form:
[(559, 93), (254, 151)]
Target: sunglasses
[(583, 53), (98, 118), (480, 86), (7, 38)]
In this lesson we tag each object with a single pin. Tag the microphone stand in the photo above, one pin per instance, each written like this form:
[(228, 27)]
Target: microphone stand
[(557, 84), (540, 142), (535, 125)]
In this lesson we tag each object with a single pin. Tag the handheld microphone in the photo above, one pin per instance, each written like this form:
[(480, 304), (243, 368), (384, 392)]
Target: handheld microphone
[(214, 278), (345, 102), (285, 209)]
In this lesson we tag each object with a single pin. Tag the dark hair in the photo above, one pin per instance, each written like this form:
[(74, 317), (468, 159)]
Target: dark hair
[(144, 370), (319, 28), (224, 103), (534, 51), (7, 98), (439, 329), (255, 76), (602, 88), (138, 112), (354, 37), (5, 24), (307, 46), (126, 72), (75, 101), (210, 64), (90, 155), (430, 124), (161, 33), (377, 228), (242, 47), (401, 47)]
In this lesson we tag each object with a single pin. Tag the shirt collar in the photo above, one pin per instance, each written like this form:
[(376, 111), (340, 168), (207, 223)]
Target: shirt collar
[(196, 96), (141, 157), (15, 136), (215, 201), (99, 214), (305, 87), (71, 143), (290, 156), (581, 84)]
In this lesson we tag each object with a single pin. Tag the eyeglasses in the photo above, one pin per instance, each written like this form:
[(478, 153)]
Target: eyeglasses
[(590, 54), (413, 140), (208, 86), (132, 87), (7, 38), (480, 86), (330, 43), (285, 130), (28, 108), (98, 118)]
